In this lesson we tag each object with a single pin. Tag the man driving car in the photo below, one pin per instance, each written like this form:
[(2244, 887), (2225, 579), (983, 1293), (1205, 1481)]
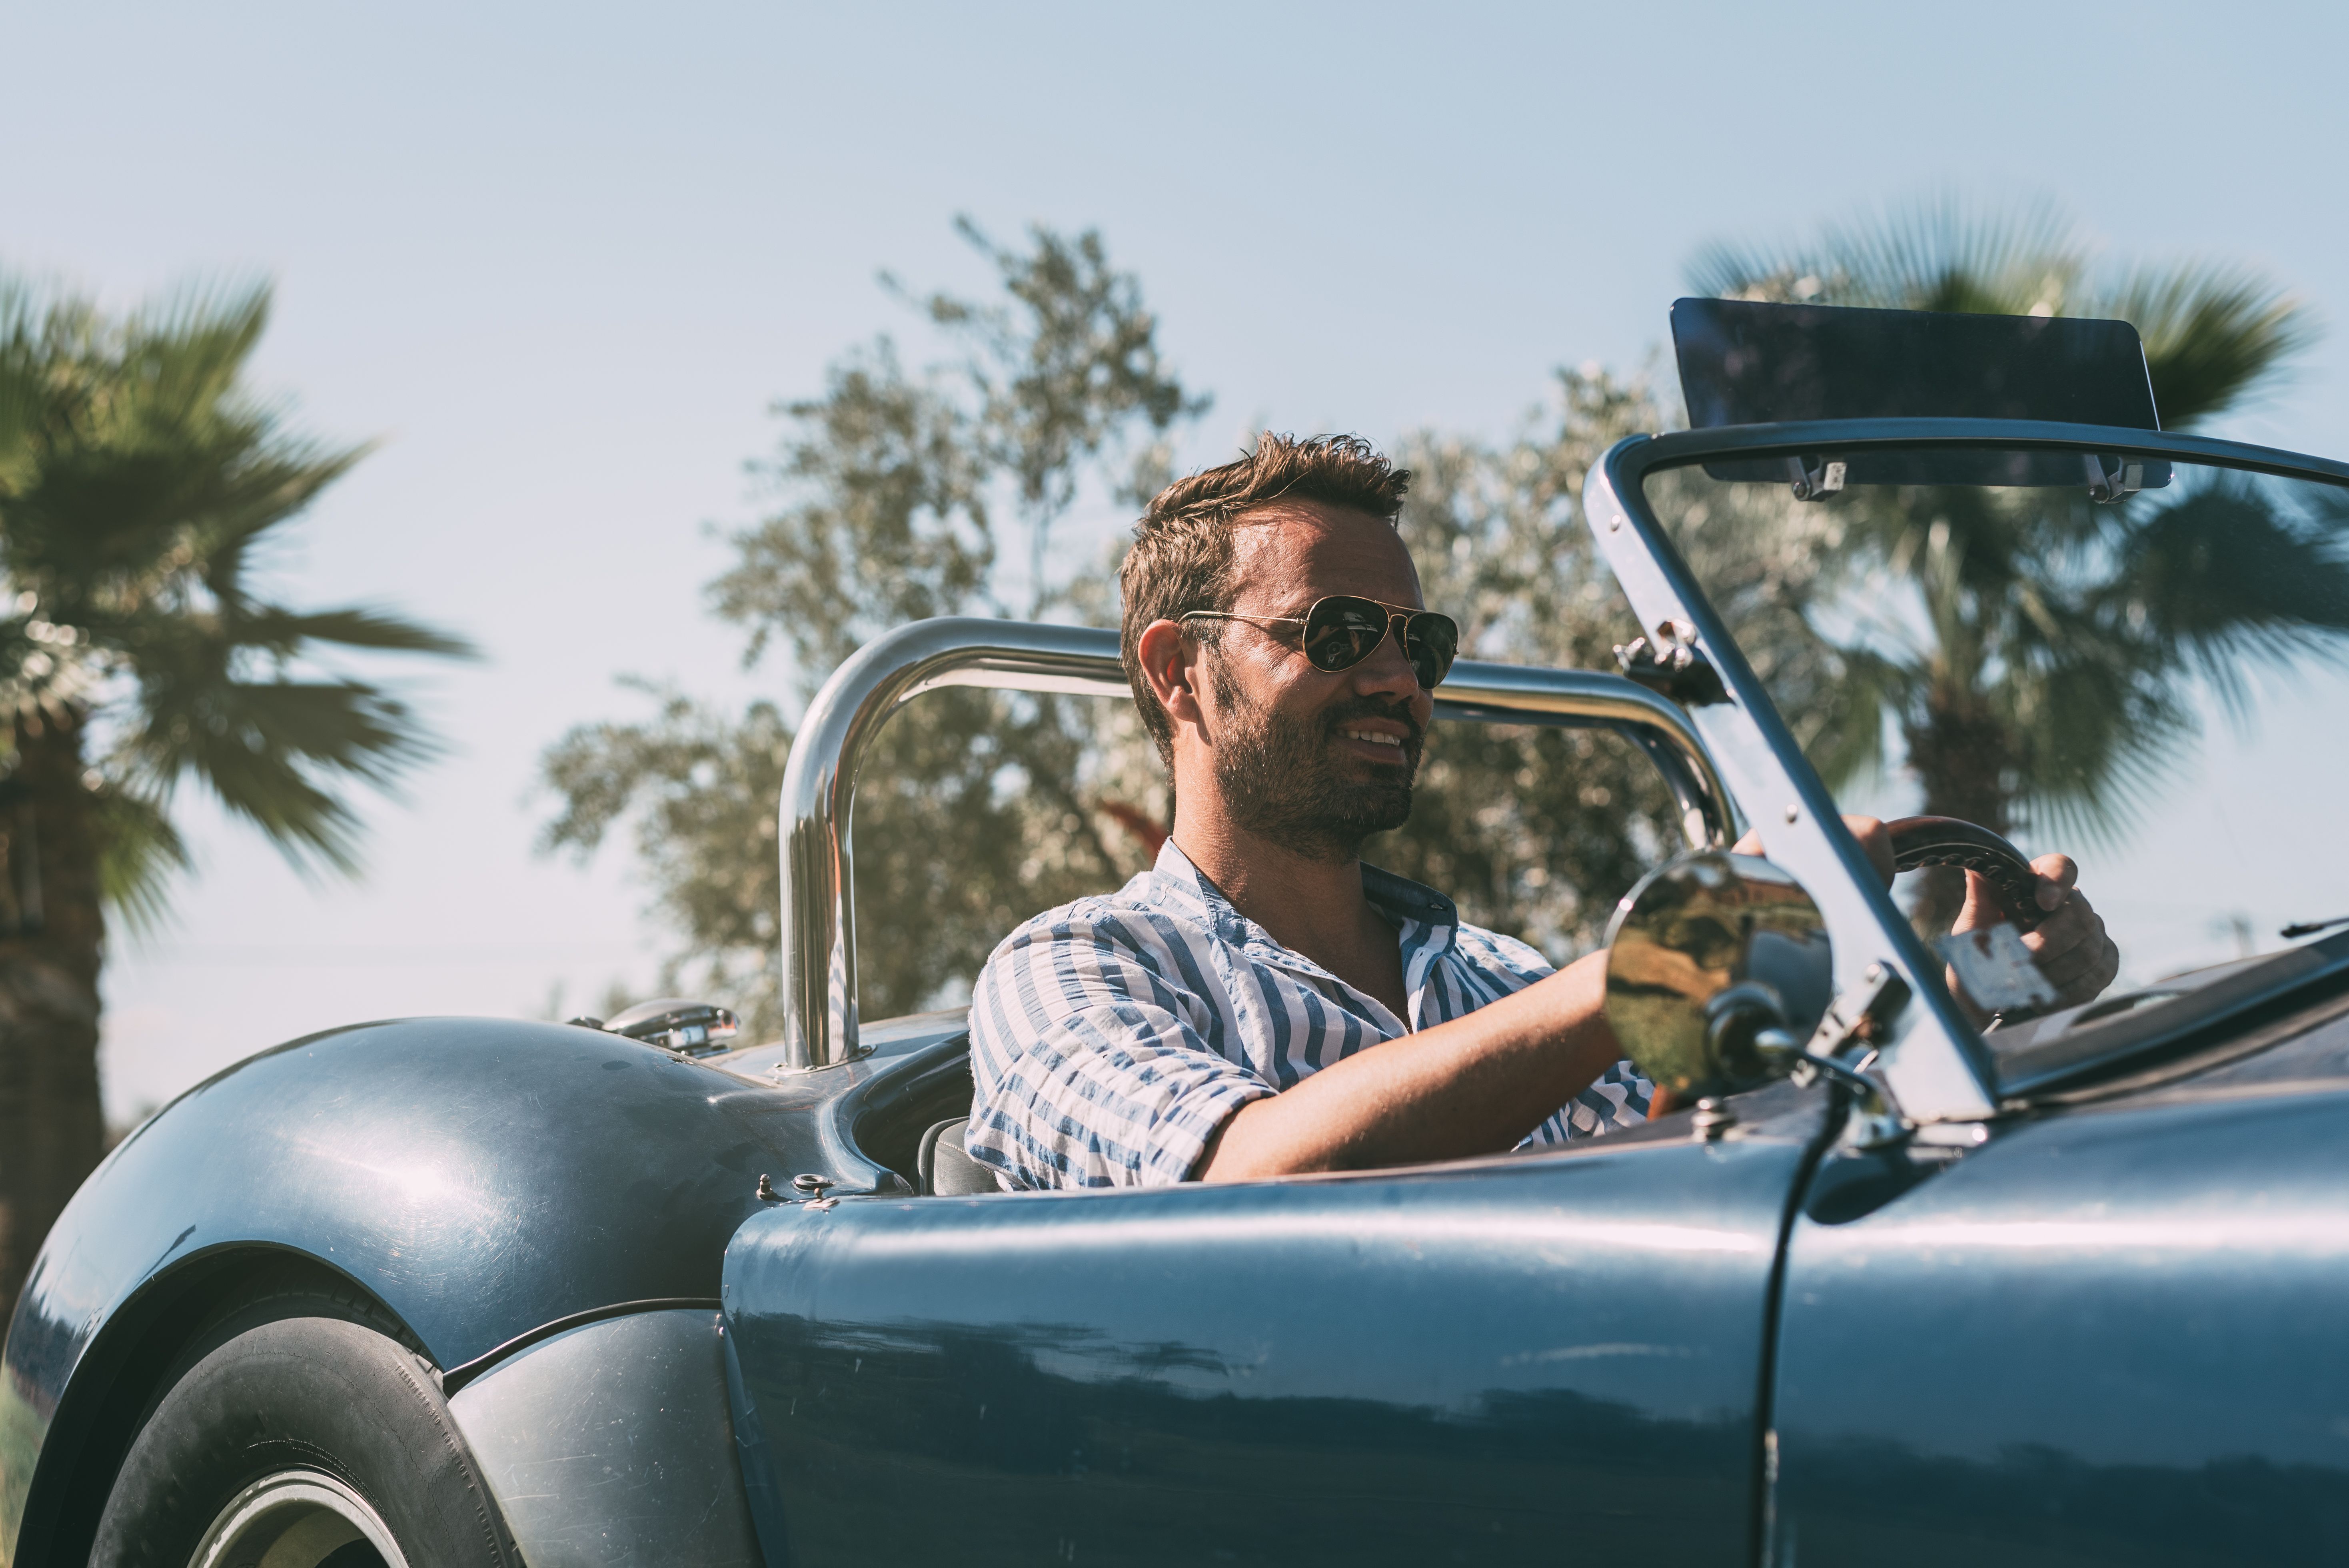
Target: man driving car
[(1261, 1002)]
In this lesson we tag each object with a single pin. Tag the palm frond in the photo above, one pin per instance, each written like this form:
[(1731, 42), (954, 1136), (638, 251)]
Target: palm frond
[(141, 853), (269, 750), (2227, 579), (2099, 739), (288, 631), (1844, 738), (1943, 253), (188, 353), (2213, 334), (19, 380), (151, 476)]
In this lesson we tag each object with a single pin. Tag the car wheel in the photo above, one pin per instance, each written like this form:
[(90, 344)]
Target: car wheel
[(303, 1430)]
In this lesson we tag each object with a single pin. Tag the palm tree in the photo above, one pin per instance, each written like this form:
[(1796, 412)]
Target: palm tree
[(137, 476), (2050, 677)]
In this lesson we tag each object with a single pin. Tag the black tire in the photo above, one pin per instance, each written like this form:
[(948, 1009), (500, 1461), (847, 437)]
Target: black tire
[(302, 1378)]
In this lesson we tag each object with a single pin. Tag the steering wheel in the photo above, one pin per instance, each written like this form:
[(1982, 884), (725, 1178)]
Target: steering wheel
[(1918, 842)]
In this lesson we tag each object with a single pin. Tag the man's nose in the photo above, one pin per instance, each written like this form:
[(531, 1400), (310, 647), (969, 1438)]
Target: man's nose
[(1387, 671)]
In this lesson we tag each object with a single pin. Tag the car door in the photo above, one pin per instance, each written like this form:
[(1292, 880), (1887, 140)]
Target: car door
[(1518, 1359), (2108, 1333)]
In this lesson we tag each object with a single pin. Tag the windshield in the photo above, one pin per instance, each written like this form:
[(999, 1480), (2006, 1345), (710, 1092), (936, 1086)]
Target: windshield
[(2142, 663)]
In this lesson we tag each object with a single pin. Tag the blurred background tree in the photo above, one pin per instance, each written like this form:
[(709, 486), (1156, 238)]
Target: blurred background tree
[(1539, 831), (895, 492), (907, 493), (2038, 654), (140, 478), (982, 807)]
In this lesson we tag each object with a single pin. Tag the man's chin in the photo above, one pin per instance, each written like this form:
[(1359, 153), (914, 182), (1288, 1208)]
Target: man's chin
[(1365, 814), (1345, 817)]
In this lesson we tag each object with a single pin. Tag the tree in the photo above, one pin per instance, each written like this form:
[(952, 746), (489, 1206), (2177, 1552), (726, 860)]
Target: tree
[(139, 478), (894, 489), (2046, 677), (1539, 831), (989, 808)]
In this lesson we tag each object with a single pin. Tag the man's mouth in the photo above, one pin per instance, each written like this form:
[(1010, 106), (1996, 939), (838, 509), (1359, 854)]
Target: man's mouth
[(1373, 738)]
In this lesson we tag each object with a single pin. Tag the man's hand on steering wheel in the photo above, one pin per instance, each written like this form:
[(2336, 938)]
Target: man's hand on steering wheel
[(2069, 946)]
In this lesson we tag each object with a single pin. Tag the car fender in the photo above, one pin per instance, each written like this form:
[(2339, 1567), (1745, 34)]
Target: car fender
[(490, 1183)]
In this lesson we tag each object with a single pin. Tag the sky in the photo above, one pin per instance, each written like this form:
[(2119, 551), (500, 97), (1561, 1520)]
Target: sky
[(559, 262)]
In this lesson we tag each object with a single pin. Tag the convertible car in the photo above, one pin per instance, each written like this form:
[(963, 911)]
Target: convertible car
[(1918, 1272)]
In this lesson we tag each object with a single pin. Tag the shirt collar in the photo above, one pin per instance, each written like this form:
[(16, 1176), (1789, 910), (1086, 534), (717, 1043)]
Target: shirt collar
[(1429, 922)]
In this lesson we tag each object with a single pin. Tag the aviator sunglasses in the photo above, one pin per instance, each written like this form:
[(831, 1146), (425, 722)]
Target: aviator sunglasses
[(1341, 630)]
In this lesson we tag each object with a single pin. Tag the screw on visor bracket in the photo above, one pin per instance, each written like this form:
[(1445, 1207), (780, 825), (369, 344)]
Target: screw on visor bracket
[(1816, 479), (2113, 479), (1670, 665)]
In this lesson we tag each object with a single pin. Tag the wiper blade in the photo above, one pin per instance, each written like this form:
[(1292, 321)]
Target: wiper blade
[(2311, 927)]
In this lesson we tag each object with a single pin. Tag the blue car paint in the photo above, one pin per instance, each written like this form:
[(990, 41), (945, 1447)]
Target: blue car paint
[(1525, 1358), (479, 1177), (1949, 1383), (1977, 1395), (2119, 1333)]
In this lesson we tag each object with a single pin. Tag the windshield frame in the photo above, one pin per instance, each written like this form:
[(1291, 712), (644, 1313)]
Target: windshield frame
[(1936, 1063)]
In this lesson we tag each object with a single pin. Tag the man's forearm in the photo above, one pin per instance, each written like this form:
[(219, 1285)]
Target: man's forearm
[(1473, 1086)]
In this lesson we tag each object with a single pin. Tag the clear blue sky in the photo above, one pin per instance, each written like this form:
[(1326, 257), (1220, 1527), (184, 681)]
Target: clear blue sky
[(561, 259)]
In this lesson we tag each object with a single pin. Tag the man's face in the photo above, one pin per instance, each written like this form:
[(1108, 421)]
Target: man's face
[(1313, 760)]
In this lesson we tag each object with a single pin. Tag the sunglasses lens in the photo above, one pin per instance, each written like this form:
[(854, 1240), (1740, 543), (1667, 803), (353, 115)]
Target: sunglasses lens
[(1342, 632), (1432, 641)]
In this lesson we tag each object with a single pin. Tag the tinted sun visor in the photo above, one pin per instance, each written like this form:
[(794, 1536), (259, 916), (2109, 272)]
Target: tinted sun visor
[(1743, 362)]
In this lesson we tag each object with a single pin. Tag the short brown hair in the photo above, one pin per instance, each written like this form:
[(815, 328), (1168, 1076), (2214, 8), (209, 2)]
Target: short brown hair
[(1182, 555)]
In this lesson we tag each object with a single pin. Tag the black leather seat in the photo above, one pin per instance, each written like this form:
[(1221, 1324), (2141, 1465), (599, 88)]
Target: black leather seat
[(945, 1169)]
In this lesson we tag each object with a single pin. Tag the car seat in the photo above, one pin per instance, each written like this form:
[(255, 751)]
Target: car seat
[(945, 1169)]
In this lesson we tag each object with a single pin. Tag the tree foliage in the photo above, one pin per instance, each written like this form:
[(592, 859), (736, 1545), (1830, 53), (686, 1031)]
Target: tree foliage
[(2037, 654), (976, 810), (140, 484), (893, 492), (2214, 331), (2047, 651), (1538, 831)]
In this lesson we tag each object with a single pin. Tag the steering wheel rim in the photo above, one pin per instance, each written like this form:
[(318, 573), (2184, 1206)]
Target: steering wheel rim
[(1920, 842)]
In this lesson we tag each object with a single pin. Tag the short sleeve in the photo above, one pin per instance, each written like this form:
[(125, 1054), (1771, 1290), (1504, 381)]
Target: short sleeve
[(1504, 964), (1090, 1057), (1620, 1099)]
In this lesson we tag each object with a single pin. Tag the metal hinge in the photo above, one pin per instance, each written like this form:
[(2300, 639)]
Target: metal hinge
[(1864, 1015), (1816, 479), (1670, 665)]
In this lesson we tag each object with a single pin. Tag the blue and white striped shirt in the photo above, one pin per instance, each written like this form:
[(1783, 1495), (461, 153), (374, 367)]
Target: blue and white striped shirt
[(1111, 1037)]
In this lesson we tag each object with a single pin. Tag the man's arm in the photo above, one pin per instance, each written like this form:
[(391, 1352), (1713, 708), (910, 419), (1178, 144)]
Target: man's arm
[(1473, 1086), (1481, 1082), (1088, 1064)]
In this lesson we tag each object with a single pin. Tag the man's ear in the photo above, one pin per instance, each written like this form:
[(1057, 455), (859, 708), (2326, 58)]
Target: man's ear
[(1170, 663)]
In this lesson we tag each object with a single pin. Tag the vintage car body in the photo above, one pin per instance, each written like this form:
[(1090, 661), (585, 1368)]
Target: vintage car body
[(2082, 1305)]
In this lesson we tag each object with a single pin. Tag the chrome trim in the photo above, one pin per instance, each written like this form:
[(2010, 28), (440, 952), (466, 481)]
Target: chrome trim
[(1935, 1064), (819, 917)]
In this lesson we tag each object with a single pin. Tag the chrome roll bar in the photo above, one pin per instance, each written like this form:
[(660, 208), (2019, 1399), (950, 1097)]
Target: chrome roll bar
[(819, 917)]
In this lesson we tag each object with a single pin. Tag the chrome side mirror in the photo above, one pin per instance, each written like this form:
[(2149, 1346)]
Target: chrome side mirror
[(1718, 971)]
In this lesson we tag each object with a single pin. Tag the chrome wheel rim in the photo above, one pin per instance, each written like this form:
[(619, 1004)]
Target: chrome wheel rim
[(294, 1519)]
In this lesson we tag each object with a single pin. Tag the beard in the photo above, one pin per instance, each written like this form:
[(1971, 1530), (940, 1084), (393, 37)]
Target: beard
[(1285, 780)]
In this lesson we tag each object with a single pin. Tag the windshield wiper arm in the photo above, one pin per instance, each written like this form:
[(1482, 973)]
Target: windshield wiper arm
[(2311, 927)]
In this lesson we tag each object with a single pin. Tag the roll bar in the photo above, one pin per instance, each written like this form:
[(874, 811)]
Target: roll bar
[(819, 923)]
